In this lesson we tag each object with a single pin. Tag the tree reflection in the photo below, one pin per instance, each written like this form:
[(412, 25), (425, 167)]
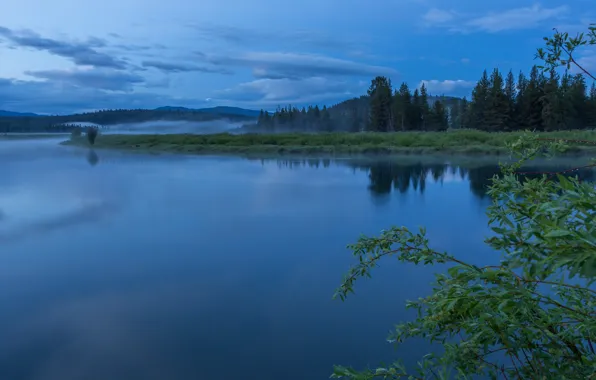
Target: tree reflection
[(92, 158), (386, 176)]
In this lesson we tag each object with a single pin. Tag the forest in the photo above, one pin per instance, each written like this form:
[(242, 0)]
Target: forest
[(542, 101)]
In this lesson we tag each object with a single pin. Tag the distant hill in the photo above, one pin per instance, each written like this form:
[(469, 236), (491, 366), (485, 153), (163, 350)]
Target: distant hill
[(216, 110), (344, 113), (63, 123), (17, 114)]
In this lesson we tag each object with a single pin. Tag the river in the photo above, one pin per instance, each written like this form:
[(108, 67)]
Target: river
[(128, 266)]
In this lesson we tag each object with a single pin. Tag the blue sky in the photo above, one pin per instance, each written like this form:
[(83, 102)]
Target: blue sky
[(64, 56)]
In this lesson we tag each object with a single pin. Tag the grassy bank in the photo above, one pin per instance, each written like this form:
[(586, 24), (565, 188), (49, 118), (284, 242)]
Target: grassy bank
[(453, 142)]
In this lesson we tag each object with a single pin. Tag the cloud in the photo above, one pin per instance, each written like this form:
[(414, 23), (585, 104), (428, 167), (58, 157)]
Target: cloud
[(100, 79), (294, 65), (446, 86), (465, 60), (438, 16), (169, 67), (493, 22), (138, 48), (81, 53), (518, 18), (271, 92), (295, 38), (55, 97)]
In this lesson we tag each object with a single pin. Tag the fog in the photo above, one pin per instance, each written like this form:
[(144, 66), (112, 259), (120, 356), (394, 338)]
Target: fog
[(181, 126)]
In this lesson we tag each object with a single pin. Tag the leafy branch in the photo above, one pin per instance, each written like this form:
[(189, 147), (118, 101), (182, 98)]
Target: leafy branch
[(560, 49), (524, 312)]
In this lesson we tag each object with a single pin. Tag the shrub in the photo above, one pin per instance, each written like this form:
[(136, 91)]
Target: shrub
[(92, 134)]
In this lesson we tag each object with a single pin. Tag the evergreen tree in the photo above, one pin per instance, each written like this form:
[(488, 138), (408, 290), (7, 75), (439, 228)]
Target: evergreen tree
[(479, 105), (496, 119), (401, 107), (415, 120), (537, 102), (578, 100), (380, 94), (522, 109), (438, 117), (424, 106), (533, 100), (510, 93), (552, 115)]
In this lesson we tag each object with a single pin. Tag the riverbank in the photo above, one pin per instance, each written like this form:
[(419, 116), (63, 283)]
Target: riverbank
[(468, 142)]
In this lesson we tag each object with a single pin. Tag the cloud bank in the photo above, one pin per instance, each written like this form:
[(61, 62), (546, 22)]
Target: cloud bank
[(249, 59)]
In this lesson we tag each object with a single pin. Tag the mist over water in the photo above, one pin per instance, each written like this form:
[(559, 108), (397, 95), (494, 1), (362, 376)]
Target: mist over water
[(171, 127)]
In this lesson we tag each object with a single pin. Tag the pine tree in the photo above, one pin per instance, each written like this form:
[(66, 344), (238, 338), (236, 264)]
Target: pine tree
[(424, 106), (533, 100), (479, 105), (579, 102), (438, 117), (496, 114), (380, 94), (552, 116), (401, 107), (510, 93), (415, 119), (522, 110)]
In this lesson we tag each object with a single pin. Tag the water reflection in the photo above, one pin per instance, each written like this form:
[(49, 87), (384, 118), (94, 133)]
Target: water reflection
[(411, 176), (196, 260), (92, 158)]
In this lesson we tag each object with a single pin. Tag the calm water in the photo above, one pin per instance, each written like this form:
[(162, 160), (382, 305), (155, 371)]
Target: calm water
[(116, 266)]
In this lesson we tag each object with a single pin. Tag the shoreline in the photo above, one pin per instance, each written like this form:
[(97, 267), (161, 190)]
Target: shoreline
[(458, 143)]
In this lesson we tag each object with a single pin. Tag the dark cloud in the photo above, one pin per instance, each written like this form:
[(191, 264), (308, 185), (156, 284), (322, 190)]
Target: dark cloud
[(100, 79), (183, 67), (138, 48), (291, 65), (296, 38), (80, 53)]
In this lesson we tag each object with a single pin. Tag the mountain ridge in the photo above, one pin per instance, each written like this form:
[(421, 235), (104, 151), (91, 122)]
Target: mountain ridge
[(18, 114), (220, 110)]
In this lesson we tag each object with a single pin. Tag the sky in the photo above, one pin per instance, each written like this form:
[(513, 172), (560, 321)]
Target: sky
[(65, 56)]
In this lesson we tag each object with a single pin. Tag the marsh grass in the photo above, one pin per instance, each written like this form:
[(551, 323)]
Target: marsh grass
[(451, 142)]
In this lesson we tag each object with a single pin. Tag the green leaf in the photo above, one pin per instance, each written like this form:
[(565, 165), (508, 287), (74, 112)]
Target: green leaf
[(557, 233)]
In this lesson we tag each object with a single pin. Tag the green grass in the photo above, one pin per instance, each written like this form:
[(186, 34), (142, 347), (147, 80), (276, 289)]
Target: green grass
[(452, 142)]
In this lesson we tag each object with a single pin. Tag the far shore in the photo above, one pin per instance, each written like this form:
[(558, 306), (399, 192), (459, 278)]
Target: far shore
[(465, 142), (31, 135)]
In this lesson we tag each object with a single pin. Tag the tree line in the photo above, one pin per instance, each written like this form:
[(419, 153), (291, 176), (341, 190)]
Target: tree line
[(64, 123), (542, 101)]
